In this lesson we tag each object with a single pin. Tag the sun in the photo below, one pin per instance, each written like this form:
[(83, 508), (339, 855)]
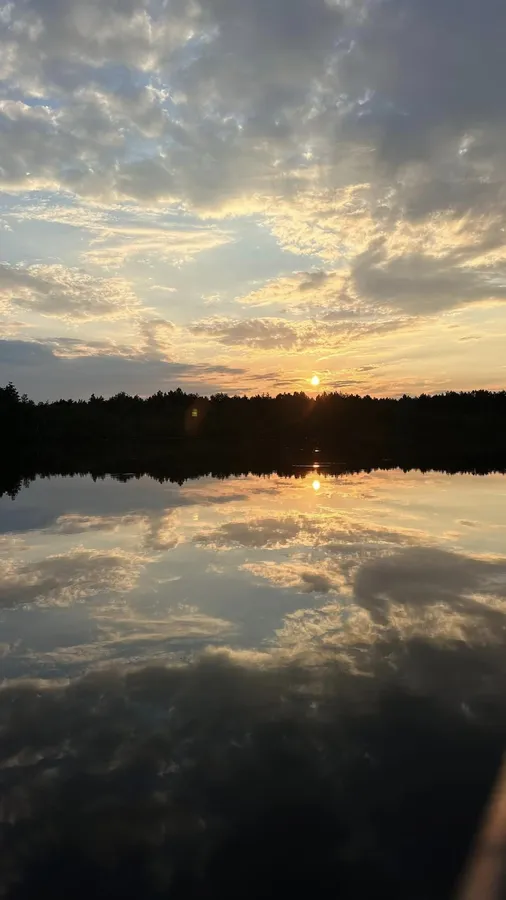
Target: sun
[(315, 381)]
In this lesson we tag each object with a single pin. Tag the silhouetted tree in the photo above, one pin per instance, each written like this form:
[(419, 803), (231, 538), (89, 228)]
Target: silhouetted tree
[(452, 422)]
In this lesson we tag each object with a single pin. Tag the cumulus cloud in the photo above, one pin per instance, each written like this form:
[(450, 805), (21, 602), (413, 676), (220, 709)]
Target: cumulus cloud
[(422, 284), (265, 97), (391, 273), (414, 590), (428, 576), (391, 52)]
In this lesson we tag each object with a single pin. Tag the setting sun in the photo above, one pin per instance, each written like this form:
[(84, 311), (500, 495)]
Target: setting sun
[(315, 381)]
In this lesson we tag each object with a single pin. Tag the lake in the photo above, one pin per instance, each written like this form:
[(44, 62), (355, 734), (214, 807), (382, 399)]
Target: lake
[(250, 684)]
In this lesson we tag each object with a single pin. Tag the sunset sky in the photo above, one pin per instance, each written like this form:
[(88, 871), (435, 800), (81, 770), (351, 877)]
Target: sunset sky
[(239, 195)]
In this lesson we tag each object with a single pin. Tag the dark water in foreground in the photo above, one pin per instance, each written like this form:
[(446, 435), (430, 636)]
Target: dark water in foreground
[(249, 686)]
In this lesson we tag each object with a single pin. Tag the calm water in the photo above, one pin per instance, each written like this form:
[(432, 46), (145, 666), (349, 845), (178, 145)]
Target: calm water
[(243, 685)]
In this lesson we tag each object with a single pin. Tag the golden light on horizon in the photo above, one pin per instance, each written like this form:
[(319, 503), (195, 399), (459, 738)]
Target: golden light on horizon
[(316, 485), (315, 381)]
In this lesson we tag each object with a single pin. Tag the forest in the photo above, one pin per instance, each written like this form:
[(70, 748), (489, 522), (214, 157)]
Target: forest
[(466, 423)]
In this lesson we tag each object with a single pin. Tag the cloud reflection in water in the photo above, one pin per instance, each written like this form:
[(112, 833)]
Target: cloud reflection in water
[(342, 735)]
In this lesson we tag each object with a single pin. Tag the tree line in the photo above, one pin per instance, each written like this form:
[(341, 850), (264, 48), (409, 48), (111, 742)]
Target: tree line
[(180, 468), (472, 421)]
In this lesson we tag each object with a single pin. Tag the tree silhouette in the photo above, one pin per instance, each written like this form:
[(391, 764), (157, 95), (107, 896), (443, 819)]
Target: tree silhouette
[(453, 422)]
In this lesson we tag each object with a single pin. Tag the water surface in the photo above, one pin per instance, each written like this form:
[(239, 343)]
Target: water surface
[(243, 684)]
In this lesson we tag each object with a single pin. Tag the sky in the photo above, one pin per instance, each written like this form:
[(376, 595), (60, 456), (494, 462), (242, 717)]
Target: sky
[(237, 195)]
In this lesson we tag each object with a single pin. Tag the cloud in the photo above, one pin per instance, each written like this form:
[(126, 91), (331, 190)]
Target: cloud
[(116, 245), (264, 334), (163, 287), (239, 77), (400, 592), (136, 633), (86, 36), (420, 284), (128, 635), (269, 532), (389, 55), (272, 333), (302, 289), (68, 578), (420, 576), (77, 506), (304, 578), (69, 294), (119, 234), (319, 119), (158, 530), (331, 533), (382, 280), (343, 802), (158, 337), (39, 370), (266, 99), (76, 523)]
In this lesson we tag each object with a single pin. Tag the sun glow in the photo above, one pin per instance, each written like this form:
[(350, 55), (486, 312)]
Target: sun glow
[(315, 381), (316, 485)]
